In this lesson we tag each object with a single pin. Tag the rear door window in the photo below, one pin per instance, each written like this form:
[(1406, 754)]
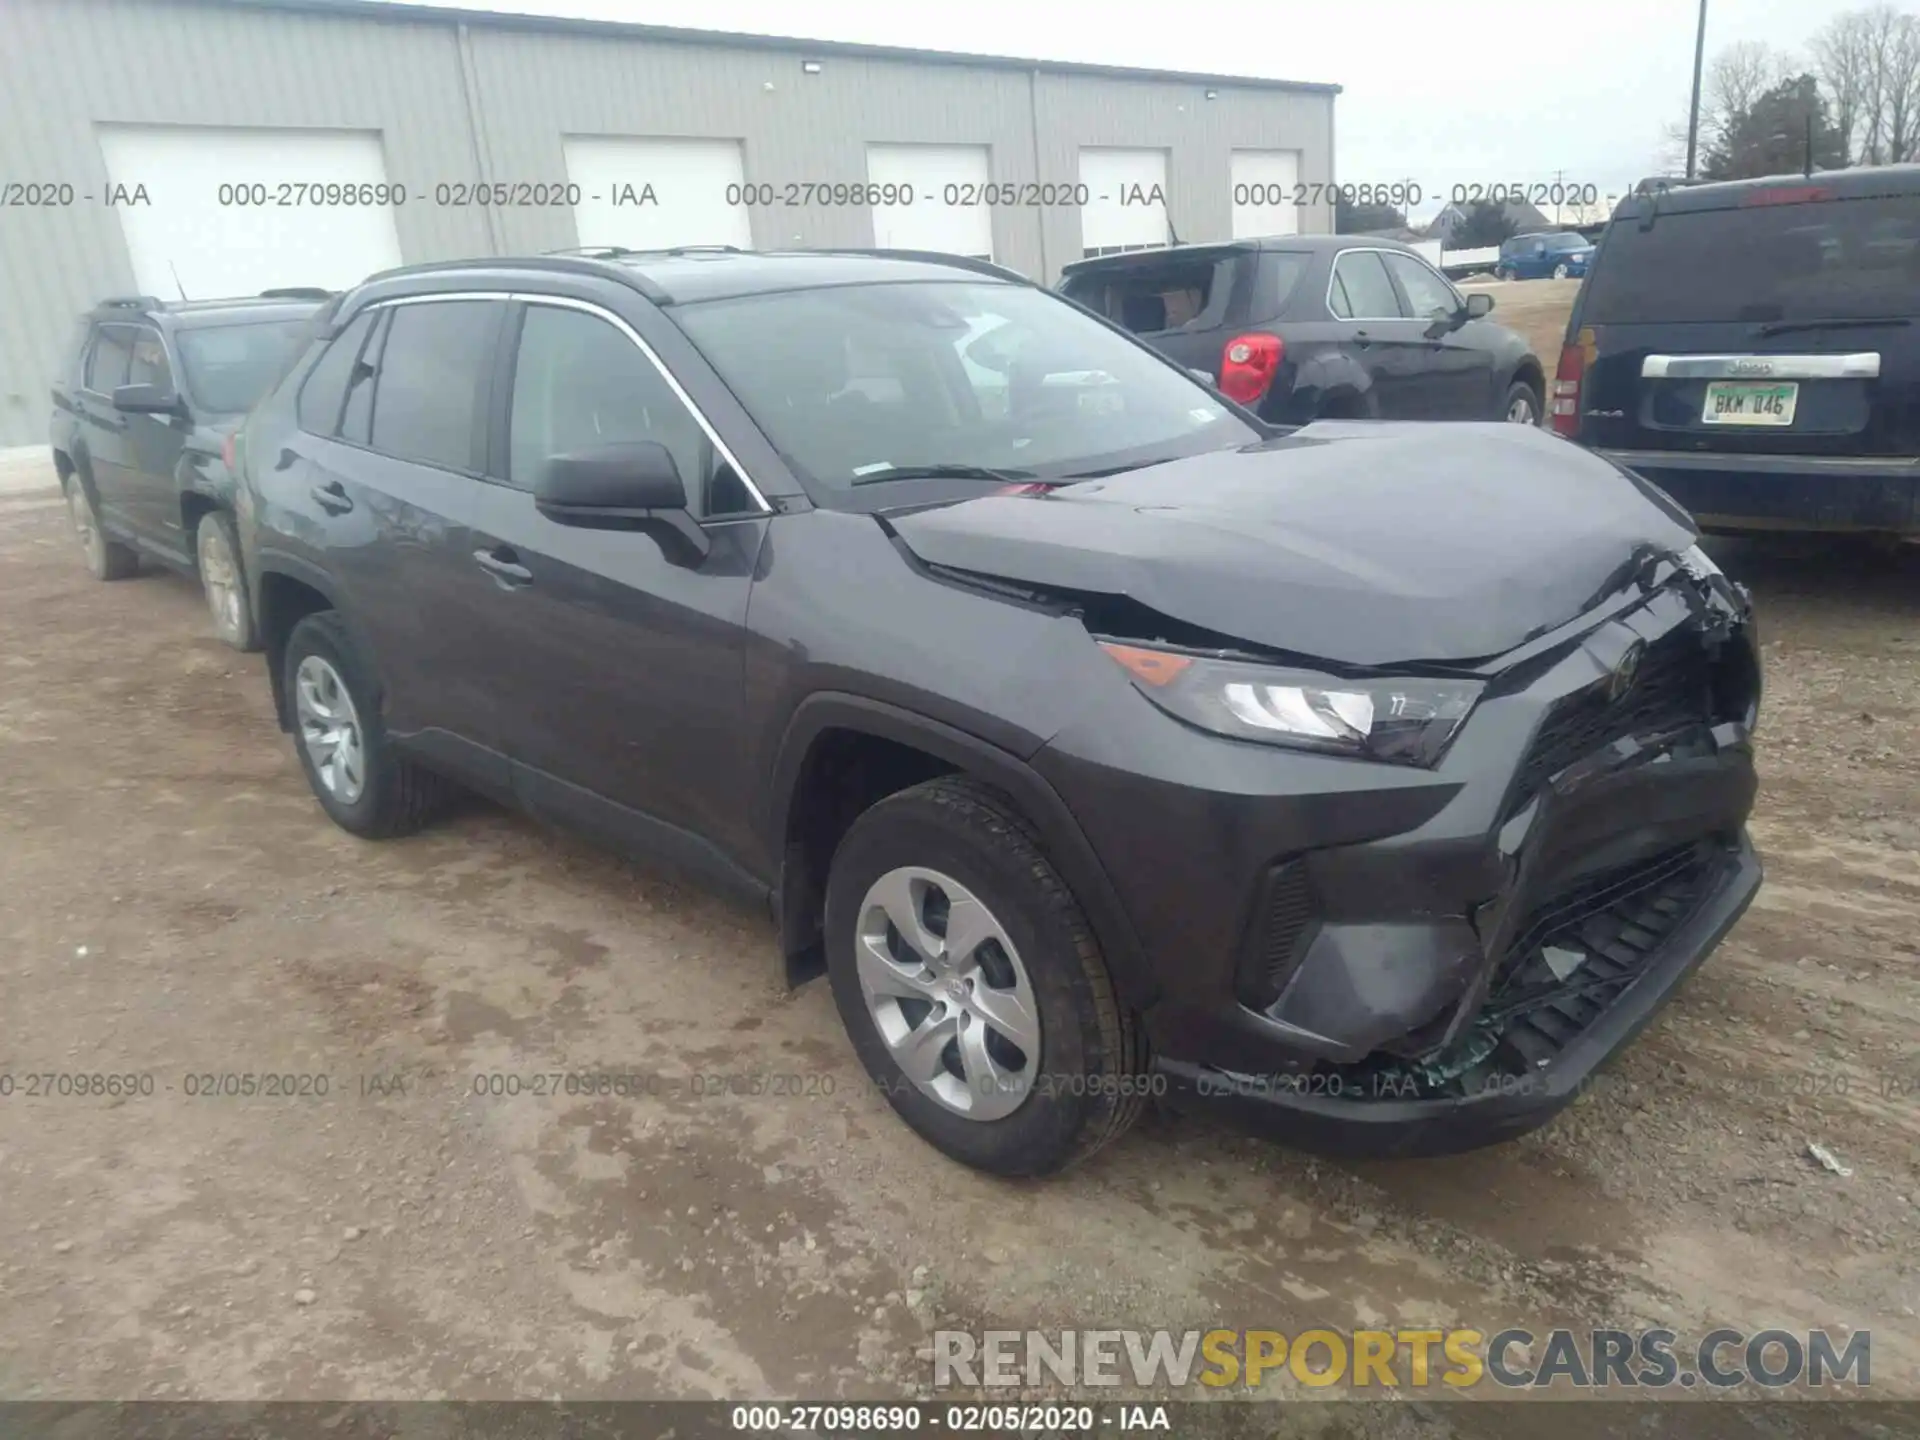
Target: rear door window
[(1361, 288), (356, 420), (1820, 260), (1151, 299), (432, 373)]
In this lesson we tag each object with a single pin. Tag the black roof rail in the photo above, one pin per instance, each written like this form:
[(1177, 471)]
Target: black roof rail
[(931, 257), (297, 292), (621, 252), (561, 262), (131, 302)]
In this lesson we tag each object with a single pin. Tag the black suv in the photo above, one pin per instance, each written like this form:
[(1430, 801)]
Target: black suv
[(1372, 781), (1754, 348), (1304, 327), (143, 412)]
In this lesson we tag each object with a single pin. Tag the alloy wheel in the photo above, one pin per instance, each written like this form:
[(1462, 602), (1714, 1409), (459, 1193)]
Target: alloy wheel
[(330, 729), (1521, 411), (948, 992)]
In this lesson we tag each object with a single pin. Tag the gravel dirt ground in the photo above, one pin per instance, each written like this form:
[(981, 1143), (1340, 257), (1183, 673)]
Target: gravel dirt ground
[(173, 904)]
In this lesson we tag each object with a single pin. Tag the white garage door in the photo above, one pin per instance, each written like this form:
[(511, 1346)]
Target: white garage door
[(228, 215), (932, 175), (1126, 205), (1263, 182), (653, 194)]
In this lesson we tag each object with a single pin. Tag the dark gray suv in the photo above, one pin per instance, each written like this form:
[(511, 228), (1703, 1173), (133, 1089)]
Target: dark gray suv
[(1372, 783)]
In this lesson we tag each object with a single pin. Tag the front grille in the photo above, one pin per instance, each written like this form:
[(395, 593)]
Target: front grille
[(1281, 914), (1673, 688)]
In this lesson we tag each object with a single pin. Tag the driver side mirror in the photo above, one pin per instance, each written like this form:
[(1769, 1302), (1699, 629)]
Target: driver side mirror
[(145, 399), (634, 485), (1479, 305)]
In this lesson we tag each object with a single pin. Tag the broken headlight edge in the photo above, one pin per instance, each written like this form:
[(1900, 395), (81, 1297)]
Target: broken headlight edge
[(1405, 720)]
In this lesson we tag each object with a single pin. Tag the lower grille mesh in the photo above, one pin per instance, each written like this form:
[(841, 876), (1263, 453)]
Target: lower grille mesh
[(1281, 917)]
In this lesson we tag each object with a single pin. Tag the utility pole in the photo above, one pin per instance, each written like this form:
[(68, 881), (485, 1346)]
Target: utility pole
[(1693, 110), (1559, 193)]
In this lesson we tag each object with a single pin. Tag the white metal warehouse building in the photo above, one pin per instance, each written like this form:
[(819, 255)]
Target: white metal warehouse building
[(209, 147)]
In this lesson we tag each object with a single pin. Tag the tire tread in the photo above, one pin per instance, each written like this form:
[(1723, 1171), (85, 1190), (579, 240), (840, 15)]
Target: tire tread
[(985, 811)]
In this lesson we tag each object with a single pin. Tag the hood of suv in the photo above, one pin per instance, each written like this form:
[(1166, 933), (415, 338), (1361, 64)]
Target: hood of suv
[(1363, 544)]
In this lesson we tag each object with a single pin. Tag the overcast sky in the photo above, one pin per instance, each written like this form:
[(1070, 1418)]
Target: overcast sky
[(1441, 92)]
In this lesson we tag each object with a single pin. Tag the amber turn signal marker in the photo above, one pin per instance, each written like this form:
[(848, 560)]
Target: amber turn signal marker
[(1149, 667)]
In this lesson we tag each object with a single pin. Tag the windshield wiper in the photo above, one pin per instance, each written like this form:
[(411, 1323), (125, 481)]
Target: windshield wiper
[(1782, 327), (942, 472)]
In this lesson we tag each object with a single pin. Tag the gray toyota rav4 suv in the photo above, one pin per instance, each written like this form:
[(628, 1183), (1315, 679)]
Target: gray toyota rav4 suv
[(1371, 783)]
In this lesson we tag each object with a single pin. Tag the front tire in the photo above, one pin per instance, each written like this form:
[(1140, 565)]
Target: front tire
[(360, 780), (223, 582), (106, 559), (1560, 272), (972, 986)]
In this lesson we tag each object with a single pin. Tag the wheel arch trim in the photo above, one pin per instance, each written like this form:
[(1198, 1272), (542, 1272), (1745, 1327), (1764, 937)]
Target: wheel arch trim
[(292, 567), (1065, 842)]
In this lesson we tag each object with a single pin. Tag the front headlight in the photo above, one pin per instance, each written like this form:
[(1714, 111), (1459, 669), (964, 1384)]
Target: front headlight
[(1406, 720)]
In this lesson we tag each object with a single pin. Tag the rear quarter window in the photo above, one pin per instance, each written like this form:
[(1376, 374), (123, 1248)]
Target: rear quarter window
[(324, 392), (1819, 260)]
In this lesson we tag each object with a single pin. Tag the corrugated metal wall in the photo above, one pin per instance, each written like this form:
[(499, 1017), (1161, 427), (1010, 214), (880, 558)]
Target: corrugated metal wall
[(455, 101)]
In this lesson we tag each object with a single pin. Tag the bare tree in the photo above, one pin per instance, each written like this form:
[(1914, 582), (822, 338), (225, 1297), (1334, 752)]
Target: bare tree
[(1868, 62), (1843, 58), (1901, 89), (1736, 77)]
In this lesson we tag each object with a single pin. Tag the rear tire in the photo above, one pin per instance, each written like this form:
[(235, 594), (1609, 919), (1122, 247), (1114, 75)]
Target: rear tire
[(217, 551), (106, 559), (949, 854), (1524, 405), (360, 780)]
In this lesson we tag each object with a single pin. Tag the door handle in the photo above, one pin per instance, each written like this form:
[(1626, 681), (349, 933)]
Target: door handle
[(331, 497), (1362, 339), (505, 567)]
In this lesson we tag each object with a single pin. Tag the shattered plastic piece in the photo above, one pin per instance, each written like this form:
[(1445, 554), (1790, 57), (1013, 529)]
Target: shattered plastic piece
[(1827, 1159), (1562, 960)]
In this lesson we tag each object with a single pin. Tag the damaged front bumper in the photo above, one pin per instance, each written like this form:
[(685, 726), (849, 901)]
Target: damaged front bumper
[(1421, 965), (1512, 1068)]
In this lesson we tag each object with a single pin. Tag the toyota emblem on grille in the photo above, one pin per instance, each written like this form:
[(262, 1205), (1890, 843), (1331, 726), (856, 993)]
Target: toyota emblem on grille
[(1625, 669)]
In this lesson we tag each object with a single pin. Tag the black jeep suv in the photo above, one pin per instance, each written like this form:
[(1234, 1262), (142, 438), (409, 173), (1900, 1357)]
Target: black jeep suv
[(1371, 781), (1753, 347), (143, 411)]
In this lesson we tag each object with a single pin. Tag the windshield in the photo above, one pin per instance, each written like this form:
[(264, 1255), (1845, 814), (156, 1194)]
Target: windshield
[(852, 381), (1826, 260), (230, 366)]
